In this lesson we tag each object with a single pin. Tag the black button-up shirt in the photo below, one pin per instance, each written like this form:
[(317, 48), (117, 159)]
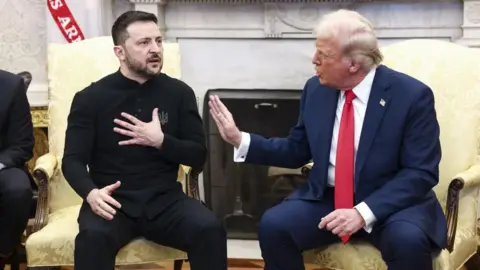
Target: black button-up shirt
[(144, 171)]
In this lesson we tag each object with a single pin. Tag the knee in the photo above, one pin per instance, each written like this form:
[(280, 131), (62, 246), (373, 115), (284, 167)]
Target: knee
[(93, 236), (408, 238), (17, 189), (212, 228), (271, 224)]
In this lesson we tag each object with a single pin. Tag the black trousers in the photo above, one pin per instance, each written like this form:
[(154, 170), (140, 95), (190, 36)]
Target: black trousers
[(185, 224), (15, 202)]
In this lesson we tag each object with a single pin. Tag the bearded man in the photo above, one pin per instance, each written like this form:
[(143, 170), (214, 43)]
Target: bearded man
[(130, 188)]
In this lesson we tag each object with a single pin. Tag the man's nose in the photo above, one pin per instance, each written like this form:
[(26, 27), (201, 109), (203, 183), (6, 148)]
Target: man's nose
[(155, 48), (315, 60)]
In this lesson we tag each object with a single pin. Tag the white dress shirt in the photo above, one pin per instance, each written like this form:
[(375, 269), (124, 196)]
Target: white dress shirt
[(362, 93)]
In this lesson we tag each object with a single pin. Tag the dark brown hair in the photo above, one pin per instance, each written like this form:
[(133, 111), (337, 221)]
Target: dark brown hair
[(119, 28)]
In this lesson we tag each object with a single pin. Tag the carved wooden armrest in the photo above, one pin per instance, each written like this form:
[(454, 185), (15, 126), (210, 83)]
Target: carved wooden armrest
[(467, 179), (192, 181), (44, 168)]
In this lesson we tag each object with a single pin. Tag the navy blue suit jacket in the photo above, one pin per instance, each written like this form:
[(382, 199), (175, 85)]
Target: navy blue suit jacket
[(397, 158)]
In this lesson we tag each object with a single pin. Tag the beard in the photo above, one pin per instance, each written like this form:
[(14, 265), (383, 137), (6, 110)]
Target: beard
[(150, 68)]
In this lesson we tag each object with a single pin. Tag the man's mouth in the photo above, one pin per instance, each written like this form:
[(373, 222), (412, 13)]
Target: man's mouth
[(155, 61)]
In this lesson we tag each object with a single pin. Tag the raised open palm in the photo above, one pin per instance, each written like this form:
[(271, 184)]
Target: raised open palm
[(224, 120)]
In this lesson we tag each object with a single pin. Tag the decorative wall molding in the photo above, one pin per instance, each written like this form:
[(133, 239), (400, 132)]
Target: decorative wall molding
[(148, 1), (266, 1), (471, 23), (38, 94), (392, 19), (156, 7), (275, 19)]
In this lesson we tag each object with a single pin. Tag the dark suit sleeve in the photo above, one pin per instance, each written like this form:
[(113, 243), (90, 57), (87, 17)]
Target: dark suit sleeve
[(189, 148), (290, 152), (420, 156), (19, 133), (79, 140)]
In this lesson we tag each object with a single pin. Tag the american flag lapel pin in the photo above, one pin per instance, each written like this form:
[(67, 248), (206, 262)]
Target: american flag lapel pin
[(382, 102)]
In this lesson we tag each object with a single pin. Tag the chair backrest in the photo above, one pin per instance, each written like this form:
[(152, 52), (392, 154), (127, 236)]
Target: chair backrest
[(453, 73), (72, 67)]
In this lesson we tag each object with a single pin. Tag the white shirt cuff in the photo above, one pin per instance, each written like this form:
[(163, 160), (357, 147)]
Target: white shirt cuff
[(367, 215), (240, 154), (2, 166)]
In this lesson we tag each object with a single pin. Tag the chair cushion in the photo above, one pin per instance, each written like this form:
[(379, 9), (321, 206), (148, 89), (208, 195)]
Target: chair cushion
[(360, 256), (54, 244)]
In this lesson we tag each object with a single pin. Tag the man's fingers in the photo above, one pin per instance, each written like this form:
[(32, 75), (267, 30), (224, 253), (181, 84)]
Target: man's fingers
[(131, 118), (219, 119), (129, 142), (125, 124), (103, 213), (113, 186), (214, 116), (339, 228), (333, 224), (105, 206), (213, 107), (325, 220), (155, 115), (344, 232), (218, 107), (124, 132), (222, 107), (111, 201)]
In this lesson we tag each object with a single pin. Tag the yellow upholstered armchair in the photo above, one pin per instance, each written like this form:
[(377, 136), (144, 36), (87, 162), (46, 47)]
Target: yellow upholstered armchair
[(71, 67), (453, 73)]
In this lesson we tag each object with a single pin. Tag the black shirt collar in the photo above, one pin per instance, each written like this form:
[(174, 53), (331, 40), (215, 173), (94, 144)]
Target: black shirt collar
[(127, 83)]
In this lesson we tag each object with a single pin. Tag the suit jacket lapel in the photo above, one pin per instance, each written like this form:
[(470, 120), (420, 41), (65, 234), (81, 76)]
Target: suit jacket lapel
[(376, 107), (325, 118)]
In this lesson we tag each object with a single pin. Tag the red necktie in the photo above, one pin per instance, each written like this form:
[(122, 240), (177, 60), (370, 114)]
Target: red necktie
[(344, 164)]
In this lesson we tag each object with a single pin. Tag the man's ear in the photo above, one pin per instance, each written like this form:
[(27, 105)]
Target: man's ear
[(353, 66), (119, 52)]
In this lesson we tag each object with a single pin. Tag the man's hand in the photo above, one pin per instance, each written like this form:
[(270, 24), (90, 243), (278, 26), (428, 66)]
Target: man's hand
[(225, 123), (101, 202), (146, 134), (343, 222)]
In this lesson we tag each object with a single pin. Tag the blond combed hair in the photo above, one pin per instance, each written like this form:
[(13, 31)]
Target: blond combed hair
[(355, 35)]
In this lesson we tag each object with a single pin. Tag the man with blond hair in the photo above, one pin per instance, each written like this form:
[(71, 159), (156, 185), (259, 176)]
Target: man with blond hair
[(373, 135)]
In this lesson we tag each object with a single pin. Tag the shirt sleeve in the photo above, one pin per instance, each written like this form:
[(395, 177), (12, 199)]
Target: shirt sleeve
[(189, 147), (367, 215), (79, 140), (240, 154)]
